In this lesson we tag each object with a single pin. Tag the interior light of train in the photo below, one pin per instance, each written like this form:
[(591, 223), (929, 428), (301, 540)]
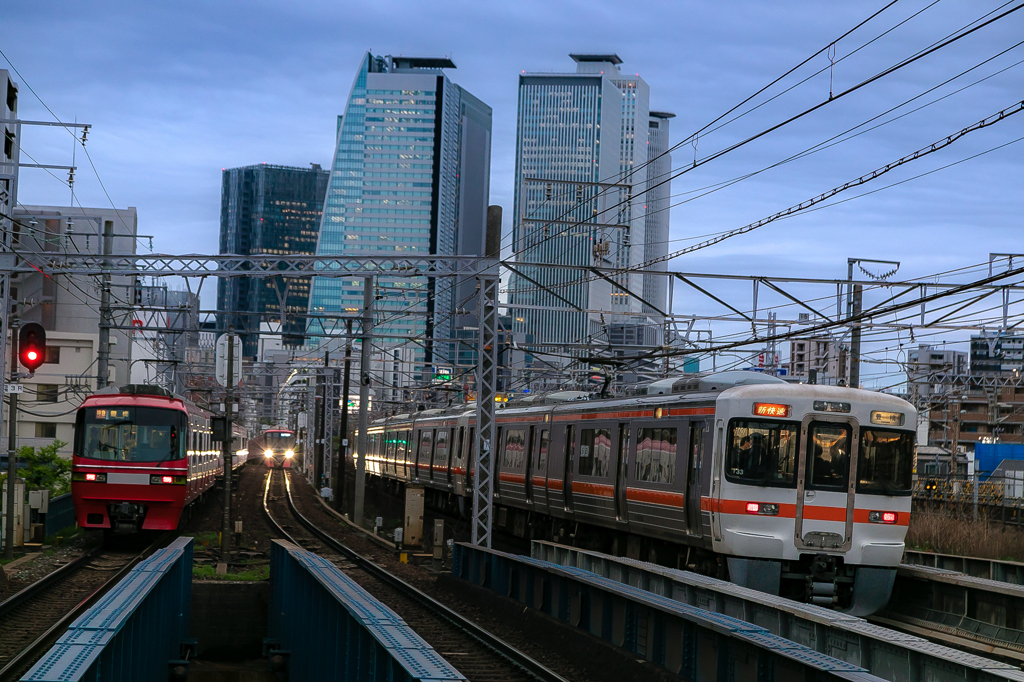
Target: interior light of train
[(771, 410), (763, 508), (830, 406), (887, 418), (883, 517), (659, 413)]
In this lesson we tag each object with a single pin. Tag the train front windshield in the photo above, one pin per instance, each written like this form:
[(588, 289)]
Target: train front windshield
[(130, 434), (280, 441)]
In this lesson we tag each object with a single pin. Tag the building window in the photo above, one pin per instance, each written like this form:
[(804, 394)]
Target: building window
[(46, 430), (52, 355), (46, 393)]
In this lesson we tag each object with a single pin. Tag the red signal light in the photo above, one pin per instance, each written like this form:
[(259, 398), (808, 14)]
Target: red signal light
[(753, 507), (90, 477), (167, 479), (889, 517), (31, 346)]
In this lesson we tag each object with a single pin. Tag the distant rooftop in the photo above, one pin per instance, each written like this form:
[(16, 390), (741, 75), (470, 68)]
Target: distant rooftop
[(610, 58), (422, 63), (662, 114)]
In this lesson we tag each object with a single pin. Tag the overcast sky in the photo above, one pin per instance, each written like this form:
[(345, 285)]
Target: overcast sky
[(178, 91)]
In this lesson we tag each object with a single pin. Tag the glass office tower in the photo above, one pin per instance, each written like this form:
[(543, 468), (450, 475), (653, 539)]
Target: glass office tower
[(581, 149), (267, 209), (411, 176)]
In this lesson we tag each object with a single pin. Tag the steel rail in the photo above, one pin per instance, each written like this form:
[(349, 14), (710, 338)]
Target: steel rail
[(42, 643), (486, 638), (30, 591)]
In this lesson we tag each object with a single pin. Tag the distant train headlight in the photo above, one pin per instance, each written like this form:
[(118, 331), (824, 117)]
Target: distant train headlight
[(268, 453), (289, 454)]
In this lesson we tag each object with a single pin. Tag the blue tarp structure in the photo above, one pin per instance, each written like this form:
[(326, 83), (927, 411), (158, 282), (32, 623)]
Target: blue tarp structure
[(987, 456)]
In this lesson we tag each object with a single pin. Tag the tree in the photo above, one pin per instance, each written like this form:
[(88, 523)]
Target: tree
[(46, 469)]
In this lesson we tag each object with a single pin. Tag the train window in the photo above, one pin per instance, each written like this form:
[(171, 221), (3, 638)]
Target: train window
[(515, 447), (595, 452), (656, 455), (441, 448), (761, 453), (828, 456), (885, 462), (425, 443), (540, 463)]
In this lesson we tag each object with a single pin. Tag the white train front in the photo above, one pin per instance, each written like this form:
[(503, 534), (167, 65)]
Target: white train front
[(797, 490)]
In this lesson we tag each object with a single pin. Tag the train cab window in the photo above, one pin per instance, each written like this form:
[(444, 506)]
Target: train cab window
[(761, 453), (885, 462), (515, 448), (656, 455), (595, 452), (828, 456), (130, 434)]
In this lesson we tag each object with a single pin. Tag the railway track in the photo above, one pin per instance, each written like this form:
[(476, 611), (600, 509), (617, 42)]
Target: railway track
[(34, 618), (474, 651)]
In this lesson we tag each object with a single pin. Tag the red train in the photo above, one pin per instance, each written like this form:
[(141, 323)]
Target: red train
[(141, 455), (278, 448)]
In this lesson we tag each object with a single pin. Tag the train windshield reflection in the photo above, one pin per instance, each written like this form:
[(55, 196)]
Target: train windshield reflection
[(761, 453)]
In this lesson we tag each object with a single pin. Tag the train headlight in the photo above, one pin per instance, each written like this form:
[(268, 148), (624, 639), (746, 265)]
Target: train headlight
[(883, 517), (763, 508), (289, 454), (268, 453)]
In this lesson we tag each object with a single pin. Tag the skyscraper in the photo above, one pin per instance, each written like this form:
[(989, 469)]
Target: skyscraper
[(656, 201), (582, 142), (411, 176), (268, 209)]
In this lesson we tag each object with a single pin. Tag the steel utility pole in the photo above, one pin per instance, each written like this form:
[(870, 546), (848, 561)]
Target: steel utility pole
[(858, 298), (321, 434), (339, 484), (486, 384), (12, 436), (225, 533), (103, 354), (364, 397)]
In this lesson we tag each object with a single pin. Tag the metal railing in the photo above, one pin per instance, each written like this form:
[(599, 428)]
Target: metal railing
[(147, 613), (324, 626), (684, 639), (60, 515), (996, 497)]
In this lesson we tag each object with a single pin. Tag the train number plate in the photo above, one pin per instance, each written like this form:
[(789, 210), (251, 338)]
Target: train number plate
[(131, 479)]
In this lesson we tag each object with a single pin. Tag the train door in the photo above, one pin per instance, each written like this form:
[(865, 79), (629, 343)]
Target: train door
[(693, 467), (621, 471), (426, 452), (826, 483), (539, 470), (457, 458), (569, 463), (528, 478)]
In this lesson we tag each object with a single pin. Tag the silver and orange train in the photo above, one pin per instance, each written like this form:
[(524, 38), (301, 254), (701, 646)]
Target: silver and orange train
[(792, 489)]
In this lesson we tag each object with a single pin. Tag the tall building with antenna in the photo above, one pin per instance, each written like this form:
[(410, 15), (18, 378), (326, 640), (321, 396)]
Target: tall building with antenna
[(582, 149), (411, 176)]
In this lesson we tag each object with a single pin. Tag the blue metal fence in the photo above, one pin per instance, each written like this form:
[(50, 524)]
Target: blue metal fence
[(330, 628), (134, 631), (686, 640), (60, 515)]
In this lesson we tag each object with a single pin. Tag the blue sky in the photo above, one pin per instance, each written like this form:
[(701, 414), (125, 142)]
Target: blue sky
[(178, 91)]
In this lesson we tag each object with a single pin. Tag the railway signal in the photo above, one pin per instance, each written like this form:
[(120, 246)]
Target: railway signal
[(32, 346)]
